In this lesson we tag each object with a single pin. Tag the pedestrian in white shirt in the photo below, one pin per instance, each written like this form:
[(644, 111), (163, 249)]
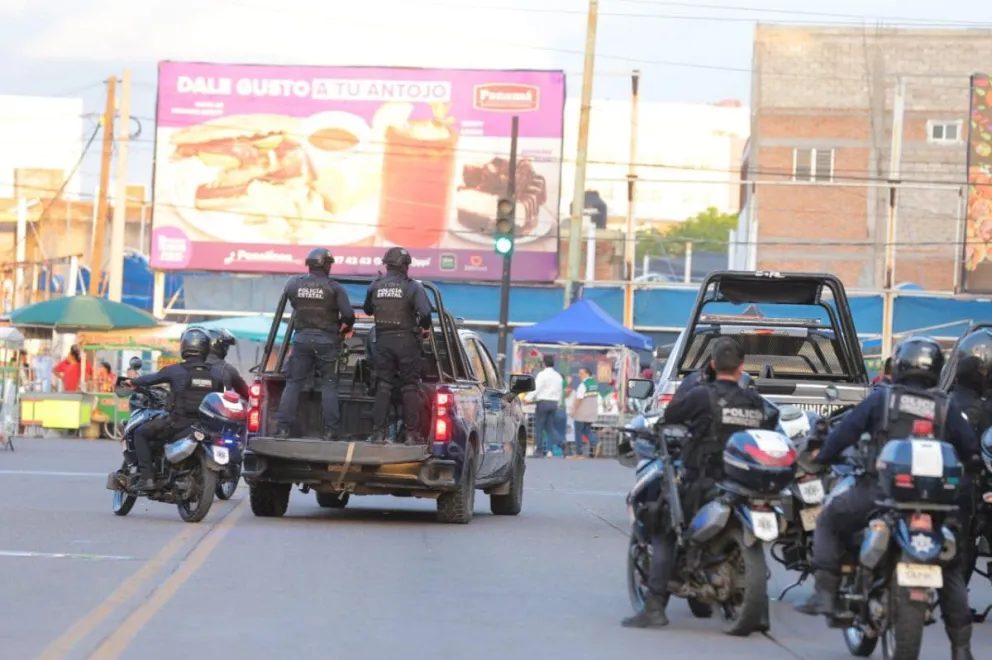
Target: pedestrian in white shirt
[(548, 393)]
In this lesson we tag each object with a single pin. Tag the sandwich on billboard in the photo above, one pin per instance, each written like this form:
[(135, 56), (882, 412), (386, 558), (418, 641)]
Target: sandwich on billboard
[(256, 165), (976, 267)]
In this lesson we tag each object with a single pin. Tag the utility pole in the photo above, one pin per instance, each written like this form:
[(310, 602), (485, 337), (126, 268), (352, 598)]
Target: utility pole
[(119, 222), (581, 156), (100, 220), (895, 162), (504, 286), (630, 246)]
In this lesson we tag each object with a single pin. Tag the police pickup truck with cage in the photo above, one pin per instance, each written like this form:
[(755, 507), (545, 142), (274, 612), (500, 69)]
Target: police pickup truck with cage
[(797, 331), (473, 426)]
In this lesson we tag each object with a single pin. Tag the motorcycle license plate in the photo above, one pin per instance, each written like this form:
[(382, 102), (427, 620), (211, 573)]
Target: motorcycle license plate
[(811, 491), (765, 525), (919, 575), (809, 517), (222, 455)]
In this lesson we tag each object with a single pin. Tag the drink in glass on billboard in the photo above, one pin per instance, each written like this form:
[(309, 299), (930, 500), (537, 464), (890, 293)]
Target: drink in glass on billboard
[(418, 168)]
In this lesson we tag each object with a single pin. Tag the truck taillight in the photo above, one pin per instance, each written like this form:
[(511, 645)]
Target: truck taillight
[(442, 417), (255, 407), (665, 399)]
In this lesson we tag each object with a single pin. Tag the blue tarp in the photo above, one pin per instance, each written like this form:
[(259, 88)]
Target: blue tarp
[(584, 322)]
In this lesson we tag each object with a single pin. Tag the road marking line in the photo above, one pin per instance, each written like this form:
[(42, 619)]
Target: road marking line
[(64, 645), (42, 473), (63, 555), (121, 638)]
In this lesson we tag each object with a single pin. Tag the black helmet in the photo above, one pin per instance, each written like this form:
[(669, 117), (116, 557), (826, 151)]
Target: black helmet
[(135, 363), (979, 345), (221, 341), (195, 343), (398, 258), (918, 359), (319, 259)]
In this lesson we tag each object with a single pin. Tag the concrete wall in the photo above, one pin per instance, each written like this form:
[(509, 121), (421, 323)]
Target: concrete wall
[(834, 89)]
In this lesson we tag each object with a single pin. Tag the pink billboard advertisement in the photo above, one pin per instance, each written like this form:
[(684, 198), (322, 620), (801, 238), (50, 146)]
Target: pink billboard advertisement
[(255, 165)]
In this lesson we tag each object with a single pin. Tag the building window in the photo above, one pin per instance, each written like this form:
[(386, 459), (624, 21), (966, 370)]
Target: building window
[(944, 132), (812, 164)]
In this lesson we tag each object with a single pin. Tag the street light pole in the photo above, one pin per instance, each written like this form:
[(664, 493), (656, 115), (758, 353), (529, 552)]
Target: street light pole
[(506, 215)]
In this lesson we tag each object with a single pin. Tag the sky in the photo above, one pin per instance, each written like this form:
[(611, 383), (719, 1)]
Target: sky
[(686, 52)]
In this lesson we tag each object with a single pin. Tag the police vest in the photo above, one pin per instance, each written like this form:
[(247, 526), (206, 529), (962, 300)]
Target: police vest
[(199, 383), (909, 413), (732, 411), (315, 303), (393, 308)]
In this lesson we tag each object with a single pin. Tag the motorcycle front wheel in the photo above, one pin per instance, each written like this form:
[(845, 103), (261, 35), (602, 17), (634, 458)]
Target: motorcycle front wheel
[(227, 486), (197, 506)]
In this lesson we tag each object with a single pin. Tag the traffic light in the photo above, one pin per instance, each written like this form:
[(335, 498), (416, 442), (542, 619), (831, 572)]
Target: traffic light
[(503, 243)]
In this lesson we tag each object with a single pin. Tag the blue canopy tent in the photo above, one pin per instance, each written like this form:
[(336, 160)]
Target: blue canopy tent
[(586, 324), (249, 328)]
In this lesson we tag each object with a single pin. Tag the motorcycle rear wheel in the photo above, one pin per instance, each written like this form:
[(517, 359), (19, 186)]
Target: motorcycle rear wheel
[(745, 617), (195, 510), (903, 637), (226, 488), (858, 643)]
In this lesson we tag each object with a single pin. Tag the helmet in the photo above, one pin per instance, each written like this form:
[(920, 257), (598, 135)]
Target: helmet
[(135, 363), (397, 257), (319, 259), (919, 359), (221, 341), (978, 345), (195, 343)]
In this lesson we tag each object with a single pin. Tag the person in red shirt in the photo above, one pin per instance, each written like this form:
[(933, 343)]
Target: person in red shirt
[(69, 370)]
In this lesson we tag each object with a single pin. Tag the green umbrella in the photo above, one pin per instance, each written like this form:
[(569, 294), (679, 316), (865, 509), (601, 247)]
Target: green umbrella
[(76, 313)]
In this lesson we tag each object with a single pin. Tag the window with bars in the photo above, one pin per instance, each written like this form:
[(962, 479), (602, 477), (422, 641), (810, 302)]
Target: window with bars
[(812, 164), (944, 132)]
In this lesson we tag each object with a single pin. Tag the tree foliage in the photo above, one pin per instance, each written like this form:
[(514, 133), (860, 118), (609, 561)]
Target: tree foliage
[(707, 230)]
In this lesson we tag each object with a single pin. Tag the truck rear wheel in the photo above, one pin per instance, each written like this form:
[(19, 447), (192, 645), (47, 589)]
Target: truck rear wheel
[(512, 502), (269, 500), (458, 507)]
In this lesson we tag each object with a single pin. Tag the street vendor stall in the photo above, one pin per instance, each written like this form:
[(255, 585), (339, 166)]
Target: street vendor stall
[(586, 336), (110, 411), (72, 411)]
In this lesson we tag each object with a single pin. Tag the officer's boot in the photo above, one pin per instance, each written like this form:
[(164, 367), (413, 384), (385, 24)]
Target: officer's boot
[(824, 598), (146, 479), (652, 615), (330, 435), (281, 433), (960, 643)]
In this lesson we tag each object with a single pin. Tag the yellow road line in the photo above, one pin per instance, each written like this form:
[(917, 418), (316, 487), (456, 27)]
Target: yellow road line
[(121, 638), (61, 647)]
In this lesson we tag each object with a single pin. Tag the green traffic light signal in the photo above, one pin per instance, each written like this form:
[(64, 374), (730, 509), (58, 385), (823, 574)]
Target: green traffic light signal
[(503, 243)]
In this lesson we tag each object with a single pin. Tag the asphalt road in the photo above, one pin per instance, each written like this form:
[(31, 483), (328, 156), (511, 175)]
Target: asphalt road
[(379, 579)]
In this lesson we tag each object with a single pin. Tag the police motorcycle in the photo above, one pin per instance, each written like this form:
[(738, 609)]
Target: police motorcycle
[(720, 559), (892, 570), (186, 471)]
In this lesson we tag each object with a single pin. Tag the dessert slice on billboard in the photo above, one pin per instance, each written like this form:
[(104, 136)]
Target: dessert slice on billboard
[(483, 185)]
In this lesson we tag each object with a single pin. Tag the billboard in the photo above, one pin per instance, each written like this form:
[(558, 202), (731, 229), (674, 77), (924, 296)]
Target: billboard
[(255, 165), (976, 276)]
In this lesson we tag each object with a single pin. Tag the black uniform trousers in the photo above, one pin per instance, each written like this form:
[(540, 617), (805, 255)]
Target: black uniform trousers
[(317, 356), (398, 365), (848, 513)]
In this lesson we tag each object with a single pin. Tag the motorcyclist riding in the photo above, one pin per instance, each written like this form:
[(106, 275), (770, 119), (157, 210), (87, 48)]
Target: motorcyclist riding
[(890, 412), (189, 382), (221, 342), (713, 412), (971, 379)]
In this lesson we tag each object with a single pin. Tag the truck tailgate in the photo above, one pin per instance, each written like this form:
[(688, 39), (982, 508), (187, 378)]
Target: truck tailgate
[(338, 452)]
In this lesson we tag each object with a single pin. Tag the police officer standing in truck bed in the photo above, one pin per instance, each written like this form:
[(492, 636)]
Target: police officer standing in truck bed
[(401, 309), (323, 315)]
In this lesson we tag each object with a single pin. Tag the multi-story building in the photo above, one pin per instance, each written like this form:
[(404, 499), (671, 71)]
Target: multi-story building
[(688, 157), (823, 102)]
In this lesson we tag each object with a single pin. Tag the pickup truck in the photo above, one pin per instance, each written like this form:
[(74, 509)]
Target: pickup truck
[(797, 331), (472, 423)]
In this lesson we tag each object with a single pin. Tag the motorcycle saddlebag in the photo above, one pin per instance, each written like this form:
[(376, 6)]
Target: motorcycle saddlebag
[(918, 470)]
